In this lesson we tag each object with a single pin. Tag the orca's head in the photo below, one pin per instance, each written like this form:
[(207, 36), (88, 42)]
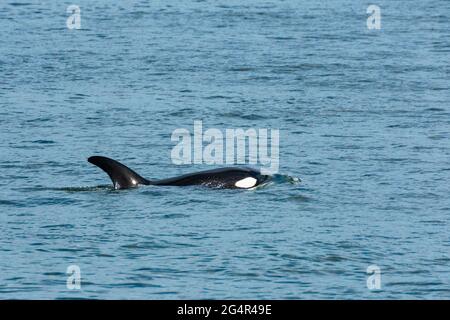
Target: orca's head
[(253, 179)]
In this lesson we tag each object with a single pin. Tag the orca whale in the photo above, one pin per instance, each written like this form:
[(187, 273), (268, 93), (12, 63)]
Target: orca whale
[(225, 178)]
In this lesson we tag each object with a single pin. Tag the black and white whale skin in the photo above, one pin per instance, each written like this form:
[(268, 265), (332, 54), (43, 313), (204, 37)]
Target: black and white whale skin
[(224, 178)]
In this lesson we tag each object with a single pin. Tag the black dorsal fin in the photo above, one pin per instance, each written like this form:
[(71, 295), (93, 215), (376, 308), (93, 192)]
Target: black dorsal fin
[(122, 177)]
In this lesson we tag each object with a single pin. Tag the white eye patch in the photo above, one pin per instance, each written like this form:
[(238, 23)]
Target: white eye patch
[(246, 183)]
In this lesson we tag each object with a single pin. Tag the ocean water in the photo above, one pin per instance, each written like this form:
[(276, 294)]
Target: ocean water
[(364, 120)]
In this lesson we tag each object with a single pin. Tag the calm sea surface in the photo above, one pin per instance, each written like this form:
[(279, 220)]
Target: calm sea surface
[(364, 120)]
